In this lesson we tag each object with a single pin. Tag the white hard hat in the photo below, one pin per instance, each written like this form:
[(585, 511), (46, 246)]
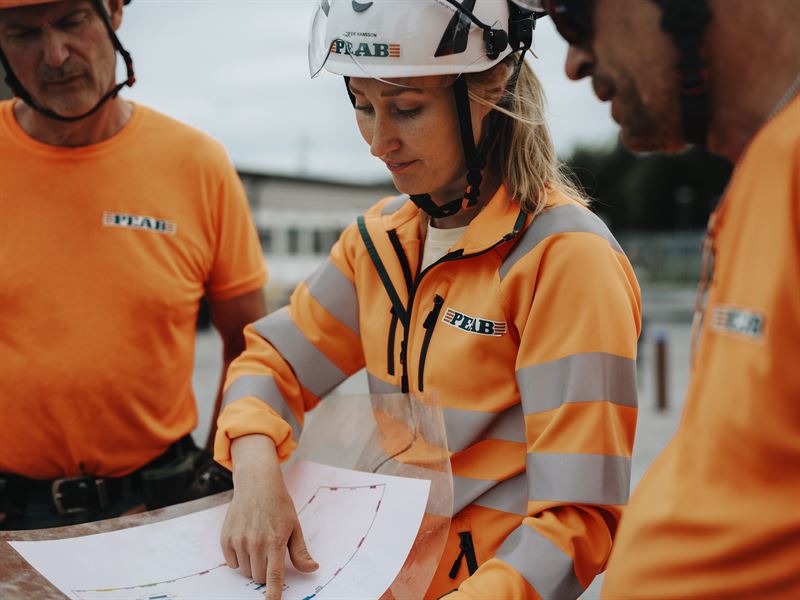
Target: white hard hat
[(411, 38)]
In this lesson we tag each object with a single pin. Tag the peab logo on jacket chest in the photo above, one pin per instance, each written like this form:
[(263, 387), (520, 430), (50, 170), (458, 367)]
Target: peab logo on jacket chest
[(112, 219), (474, 325)]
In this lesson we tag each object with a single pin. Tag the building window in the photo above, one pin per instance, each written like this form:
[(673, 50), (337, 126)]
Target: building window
[(324, 239), (319, 242), (294, 240), (266, 240)]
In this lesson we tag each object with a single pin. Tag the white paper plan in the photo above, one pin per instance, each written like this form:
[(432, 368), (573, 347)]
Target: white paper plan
[(358, 526)]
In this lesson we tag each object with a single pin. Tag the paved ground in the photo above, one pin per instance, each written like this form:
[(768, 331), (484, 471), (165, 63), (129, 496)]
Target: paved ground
[(667, 313)]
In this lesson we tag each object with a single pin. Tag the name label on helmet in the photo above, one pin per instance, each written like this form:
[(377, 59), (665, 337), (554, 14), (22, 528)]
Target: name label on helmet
[(371, 50), (474, 324)]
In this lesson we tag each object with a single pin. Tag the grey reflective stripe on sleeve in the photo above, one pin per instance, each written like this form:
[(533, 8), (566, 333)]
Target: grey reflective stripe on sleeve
[(313, 369), (510, 496), (466, 490), (265, 389), (336, 293), (544, 565), (560, 219), (465, 427), (586, 377), (394, 204), (378, 386), (578, 478)]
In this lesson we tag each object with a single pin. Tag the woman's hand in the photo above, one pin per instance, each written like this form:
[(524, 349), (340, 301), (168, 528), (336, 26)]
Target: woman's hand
[(261, 521)]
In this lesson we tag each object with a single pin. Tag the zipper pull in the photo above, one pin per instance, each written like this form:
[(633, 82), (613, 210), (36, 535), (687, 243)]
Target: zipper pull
[(456, 565), (467, 552), (429, 320), (468, 548), (403, 353)]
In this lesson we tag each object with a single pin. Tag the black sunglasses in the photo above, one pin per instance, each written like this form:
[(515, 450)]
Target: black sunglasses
[(572, 18)]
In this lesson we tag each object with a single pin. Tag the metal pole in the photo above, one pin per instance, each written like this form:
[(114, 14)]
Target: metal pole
[(661, 372)]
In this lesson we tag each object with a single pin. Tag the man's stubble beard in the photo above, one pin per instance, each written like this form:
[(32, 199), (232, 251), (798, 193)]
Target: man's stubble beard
[(646, 129)]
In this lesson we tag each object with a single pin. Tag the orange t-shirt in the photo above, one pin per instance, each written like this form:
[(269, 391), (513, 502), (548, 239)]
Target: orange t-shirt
[(718, 514), (105, 252)]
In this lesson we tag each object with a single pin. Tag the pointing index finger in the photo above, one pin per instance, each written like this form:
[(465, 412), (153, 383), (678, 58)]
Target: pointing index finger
[(275, 559)]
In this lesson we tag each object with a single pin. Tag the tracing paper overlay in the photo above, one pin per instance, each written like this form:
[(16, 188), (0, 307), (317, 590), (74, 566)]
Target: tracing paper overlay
[(359, 527)]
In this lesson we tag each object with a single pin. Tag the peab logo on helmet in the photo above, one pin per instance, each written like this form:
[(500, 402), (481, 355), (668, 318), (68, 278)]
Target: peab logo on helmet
[(365, 49)]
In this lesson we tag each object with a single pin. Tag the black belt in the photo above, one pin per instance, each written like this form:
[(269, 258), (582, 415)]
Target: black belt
[(85, 493)]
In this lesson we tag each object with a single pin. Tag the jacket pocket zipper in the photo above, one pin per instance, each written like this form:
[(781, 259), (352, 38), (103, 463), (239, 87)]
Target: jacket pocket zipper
[(391, 343), (467, 552), (429, 325)]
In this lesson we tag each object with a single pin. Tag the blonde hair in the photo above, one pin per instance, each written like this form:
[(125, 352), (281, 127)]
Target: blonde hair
[(521, 152)]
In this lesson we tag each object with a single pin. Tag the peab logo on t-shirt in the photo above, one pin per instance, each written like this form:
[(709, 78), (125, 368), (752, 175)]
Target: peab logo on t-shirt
[(111, 219), (743, 322)]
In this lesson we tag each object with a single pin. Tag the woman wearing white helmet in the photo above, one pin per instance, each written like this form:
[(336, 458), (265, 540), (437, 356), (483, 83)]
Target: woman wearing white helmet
[(488, 280)]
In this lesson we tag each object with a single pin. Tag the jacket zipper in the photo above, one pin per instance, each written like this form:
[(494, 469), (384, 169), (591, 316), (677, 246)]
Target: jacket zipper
[(414, 285), (398, 249), (401, 255), (452, 256), (429, 325), (391, 343), (467, 552)]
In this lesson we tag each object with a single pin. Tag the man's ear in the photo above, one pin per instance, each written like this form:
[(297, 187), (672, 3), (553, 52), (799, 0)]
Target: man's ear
[(114, 8)]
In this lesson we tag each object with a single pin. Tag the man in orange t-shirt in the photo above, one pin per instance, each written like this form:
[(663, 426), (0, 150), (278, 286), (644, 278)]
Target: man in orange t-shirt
[(114, 222), (718, 513)]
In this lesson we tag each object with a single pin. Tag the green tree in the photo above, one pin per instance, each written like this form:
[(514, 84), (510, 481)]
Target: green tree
[(652, 192)]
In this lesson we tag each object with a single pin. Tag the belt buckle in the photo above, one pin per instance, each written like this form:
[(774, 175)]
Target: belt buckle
[(87, 482)]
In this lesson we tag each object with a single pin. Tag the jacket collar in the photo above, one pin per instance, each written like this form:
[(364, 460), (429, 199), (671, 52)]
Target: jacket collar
[(495, 220)]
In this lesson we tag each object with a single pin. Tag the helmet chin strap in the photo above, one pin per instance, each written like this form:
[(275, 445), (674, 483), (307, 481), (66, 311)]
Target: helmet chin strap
[(16, 86), (475, 156), (475, 159), (520, 38)]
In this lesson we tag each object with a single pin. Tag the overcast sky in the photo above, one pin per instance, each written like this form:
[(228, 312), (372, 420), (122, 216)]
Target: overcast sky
[(238, 70)]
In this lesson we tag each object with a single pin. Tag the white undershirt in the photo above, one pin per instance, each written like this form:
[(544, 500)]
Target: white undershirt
[(438, 242)]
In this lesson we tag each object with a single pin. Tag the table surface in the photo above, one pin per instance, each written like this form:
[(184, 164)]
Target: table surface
[(19, 580)]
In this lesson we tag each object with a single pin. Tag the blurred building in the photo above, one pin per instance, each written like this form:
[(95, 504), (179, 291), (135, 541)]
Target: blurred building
[(299, 220)]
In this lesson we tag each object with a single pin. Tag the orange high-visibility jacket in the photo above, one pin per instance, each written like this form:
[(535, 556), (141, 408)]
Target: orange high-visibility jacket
[(718, 513), (530, 342)]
